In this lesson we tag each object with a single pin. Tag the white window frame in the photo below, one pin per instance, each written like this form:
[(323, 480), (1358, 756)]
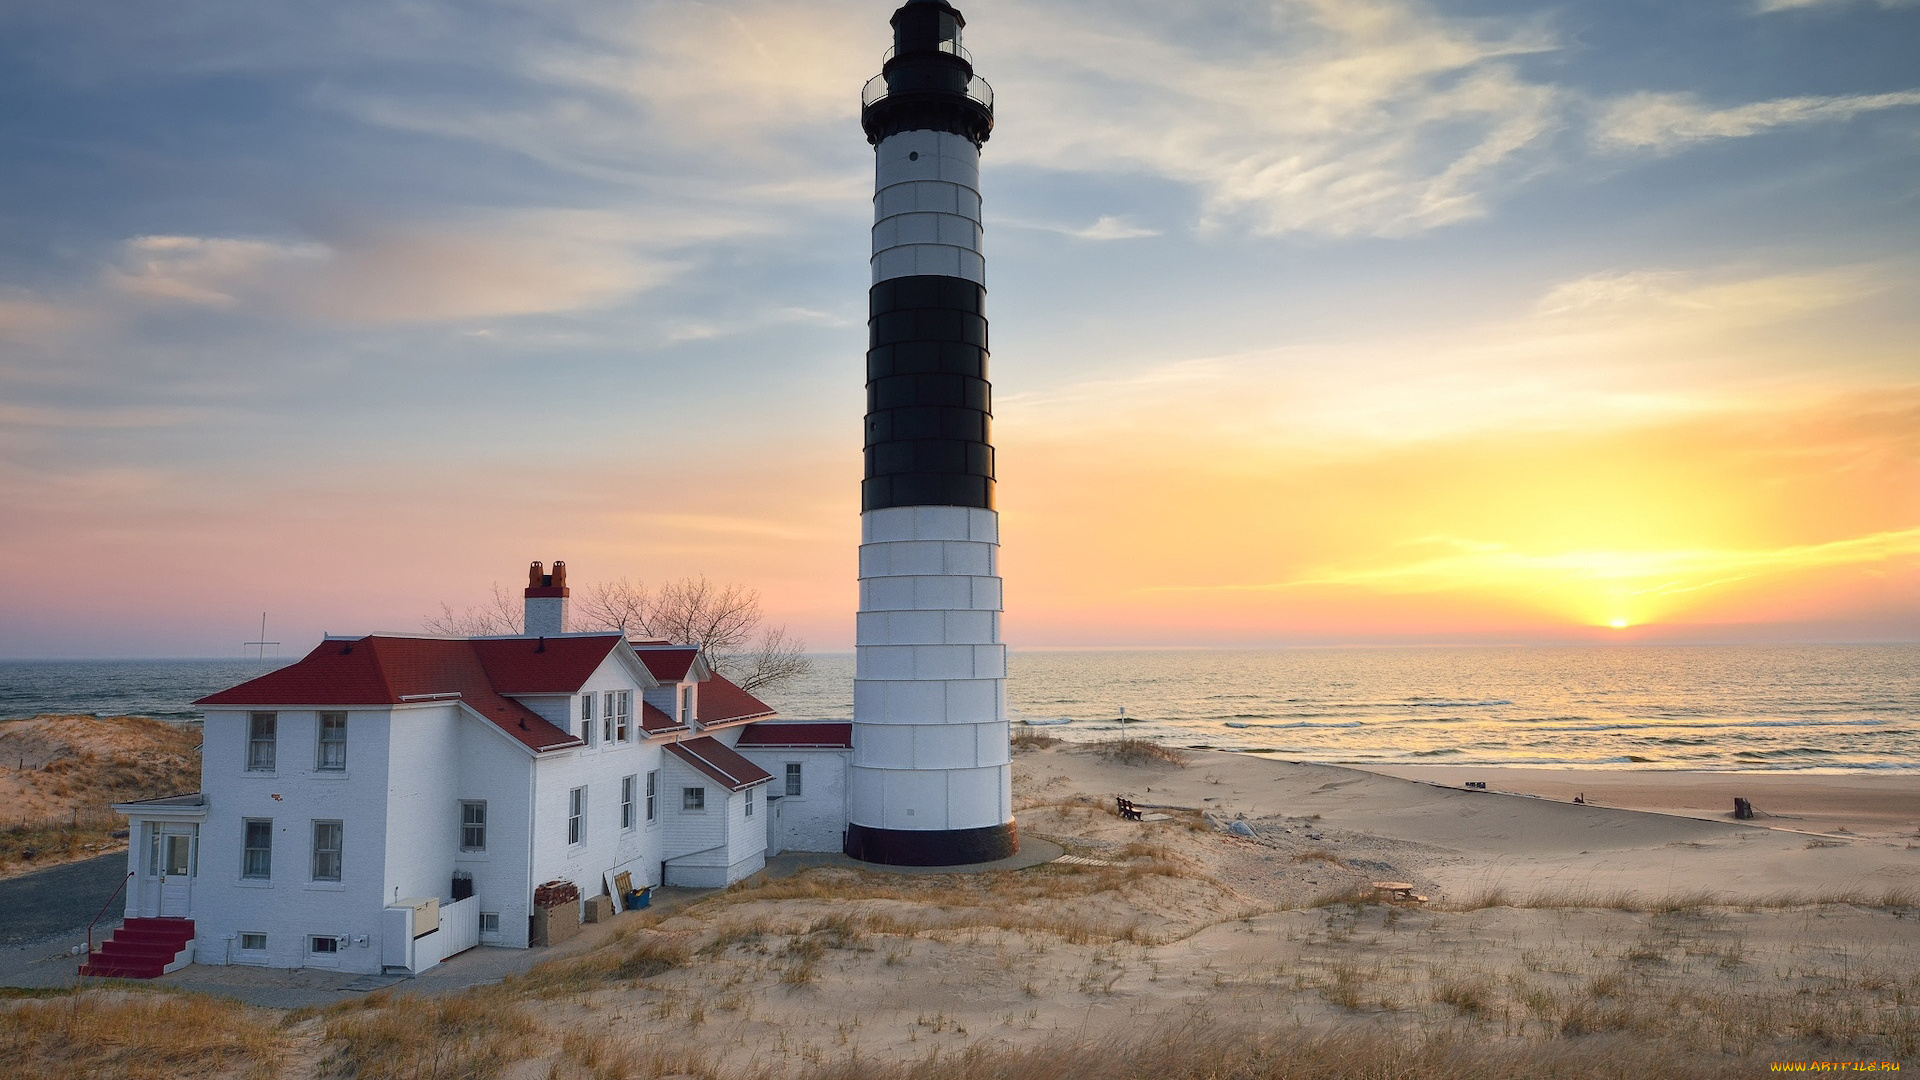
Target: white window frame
[(322, 743), (627, 786), (686, 705), (622, 708), (490, 923), (749, 794), (240, 941), (693, 800), (795, 782), (586, 718), (246, 851), (331, 952), (481, 824), (653, 796), (262, 750), (606, 719), (338, 851), (577, 816)]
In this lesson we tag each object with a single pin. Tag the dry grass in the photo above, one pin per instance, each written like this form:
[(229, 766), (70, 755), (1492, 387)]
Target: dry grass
[(1132, 751), (605, 1055), (638, 954), (469, 1036), (1205, 1052), (136, 1035), (1318, 855), (66, 774), (1032, 740)]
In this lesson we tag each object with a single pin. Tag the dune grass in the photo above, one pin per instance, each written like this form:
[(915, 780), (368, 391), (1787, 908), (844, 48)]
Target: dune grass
[(1204, 1051), (468, 1036), (137, 1035)]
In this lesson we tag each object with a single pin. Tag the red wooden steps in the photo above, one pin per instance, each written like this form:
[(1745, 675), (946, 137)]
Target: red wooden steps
[(140, 949)]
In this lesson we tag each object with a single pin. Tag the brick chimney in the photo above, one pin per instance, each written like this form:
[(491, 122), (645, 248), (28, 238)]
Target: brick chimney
[(547, 600)]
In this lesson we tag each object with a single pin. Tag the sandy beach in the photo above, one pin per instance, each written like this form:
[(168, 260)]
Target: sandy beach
[(1553, 937), (1866, 805)]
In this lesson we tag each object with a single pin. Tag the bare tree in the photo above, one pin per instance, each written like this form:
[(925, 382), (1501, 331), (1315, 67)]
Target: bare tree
[(496, 616), (724, 620)]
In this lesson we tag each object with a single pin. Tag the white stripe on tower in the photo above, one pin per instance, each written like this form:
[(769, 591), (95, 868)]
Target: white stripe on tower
[(926, 207)]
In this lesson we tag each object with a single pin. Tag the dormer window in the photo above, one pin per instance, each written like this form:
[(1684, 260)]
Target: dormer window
[(686, 704), (620, 714)]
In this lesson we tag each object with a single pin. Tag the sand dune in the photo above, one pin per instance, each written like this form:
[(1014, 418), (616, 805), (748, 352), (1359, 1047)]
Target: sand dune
[(1462, 842)]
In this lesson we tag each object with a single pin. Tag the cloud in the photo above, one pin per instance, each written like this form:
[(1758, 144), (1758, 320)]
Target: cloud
[(1110, 227), (1352, 118), (1769, 6), (1649, 121), (26, 318), (1335, 117), (495, 265), (1598, 351), (205, 271)]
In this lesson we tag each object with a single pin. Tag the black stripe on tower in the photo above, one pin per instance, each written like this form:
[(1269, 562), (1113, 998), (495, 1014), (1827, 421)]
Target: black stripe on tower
[(942, 847), (929, 405)]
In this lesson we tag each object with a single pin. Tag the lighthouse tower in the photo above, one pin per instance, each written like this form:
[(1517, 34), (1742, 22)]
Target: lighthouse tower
[(931, 783)]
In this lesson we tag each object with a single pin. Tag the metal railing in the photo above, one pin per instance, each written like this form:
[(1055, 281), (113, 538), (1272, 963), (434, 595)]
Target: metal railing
[(978, 89), (952, 48), (87, 957)]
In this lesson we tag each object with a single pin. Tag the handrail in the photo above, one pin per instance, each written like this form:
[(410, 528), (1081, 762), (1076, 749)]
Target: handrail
[(978, 89), (87, 957)]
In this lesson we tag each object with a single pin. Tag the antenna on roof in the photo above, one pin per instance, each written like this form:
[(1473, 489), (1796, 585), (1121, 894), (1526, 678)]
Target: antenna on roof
[(263, 642)]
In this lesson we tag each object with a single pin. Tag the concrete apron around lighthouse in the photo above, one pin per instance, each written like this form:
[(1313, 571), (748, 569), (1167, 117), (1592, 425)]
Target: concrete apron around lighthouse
[(931, 782)]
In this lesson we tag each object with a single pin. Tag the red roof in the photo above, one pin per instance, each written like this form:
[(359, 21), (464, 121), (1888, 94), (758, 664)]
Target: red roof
[(654, 720), (720, 762), (379, 670), (669, 663), (799, 736), (548, 665), (719, 701)]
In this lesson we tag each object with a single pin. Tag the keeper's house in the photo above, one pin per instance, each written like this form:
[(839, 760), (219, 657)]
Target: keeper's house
[(390, 800)]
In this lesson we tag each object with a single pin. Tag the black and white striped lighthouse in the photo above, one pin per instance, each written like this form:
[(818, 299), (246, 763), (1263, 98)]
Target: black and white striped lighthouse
[(932, 777)]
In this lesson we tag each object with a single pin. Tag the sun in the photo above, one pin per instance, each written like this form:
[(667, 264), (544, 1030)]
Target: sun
[(1617, 624)]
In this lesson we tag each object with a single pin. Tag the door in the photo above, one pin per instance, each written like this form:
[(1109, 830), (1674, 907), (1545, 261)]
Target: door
[(177, 858)]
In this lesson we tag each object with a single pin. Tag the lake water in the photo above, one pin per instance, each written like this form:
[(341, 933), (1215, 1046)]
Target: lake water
[(1734, 707)]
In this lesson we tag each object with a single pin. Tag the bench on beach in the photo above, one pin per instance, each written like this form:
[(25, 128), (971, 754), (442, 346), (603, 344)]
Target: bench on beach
[(1399, 890), (1127, 808)]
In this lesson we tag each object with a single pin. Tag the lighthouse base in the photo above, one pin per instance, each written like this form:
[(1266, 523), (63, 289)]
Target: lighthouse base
[(945, 847)]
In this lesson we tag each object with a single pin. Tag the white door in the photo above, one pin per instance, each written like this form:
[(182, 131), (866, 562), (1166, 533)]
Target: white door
[(177, 858)]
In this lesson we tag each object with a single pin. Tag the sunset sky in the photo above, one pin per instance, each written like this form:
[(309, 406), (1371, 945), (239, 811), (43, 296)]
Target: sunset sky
[(1314, 321)]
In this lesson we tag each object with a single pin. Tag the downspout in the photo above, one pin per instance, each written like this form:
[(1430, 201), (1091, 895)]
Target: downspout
[(533, 797)]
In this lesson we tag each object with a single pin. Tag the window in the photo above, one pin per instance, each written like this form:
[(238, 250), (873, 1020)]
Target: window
[(257, 855), (260, 729), (323, 946), (577, 816), (627, 784), (253, 943), (653, 795), (686, 705), (619, 705), (326, 851), (586, 718), (473, 826), (693, 798), (606, 718), (333, 742), (793, 778), (749, 802), (489, 922)]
